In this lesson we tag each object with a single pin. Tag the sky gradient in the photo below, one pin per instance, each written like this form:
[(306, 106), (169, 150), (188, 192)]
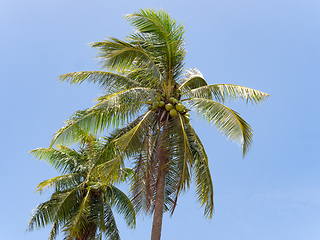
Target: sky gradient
[(272, 46)]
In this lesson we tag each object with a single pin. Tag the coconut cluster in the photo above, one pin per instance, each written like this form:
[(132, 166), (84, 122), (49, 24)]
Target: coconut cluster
[(171, 105)]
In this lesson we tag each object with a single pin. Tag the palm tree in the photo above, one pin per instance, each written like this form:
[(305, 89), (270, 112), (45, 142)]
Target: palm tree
[(81, 203), (148, 91)]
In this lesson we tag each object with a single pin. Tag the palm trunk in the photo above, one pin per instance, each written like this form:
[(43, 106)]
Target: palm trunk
[(159, 202), (160, 186)]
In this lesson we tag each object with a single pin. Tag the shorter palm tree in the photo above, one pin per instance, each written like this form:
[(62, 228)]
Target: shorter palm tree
[(82, 201)]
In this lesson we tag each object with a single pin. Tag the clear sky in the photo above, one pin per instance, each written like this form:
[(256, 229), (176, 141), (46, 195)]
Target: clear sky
[(270, 45)]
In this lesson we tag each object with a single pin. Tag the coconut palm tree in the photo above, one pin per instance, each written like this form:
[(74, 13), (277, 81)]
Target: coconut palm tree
[(81, 203), (147, 90)]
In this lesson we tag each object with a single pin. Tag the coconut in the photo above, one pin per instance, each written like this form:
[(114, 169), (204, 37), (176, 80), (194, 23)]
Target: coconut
[(149, 107), (187, 115), (155, 105), (173, 112), (171, 99), (179, 107), (169, 106), (175, 101), (163, 95), (187, 119), (161, 103), (158, 98)]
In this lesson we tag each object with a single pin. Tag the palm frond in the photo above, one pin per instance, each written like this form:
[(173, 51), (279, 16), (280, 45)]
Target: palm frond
[(181, 160), (109, 150), (228, 122), (55, 209), (61, 161), (123, 206), (111, 230), (105, 80), (60, 183), (79, 223), (129, 144), (132, 141), (145, 77), (119, 55), (193, 79), (41, 216), (202, 176), (225, 92), (168, 35), (111, 111), (140, 184), (54, 231)]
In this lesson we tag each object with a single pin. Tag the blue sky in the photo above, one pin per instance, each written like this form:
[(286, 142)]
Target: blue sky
[(273, 46)]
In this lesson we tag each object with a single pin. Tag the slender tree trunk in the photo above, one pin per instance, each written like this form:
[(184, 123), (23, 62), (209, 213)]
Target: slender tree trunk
[(159, 201)]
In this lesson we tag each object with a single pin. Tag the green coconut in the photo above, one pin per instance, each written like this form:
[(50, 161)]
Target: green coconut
[(171, 99), (161, 103), (158, 98), (155, 105), (169, 106), (149, 107), (173, 112), (175, 101), (179, 107), (187, 119), (187, 115), (163, 95)]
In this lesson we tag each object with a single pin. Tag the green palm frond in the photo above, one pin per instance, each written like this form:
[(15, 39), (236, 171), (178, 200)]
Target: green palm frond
[(111, 231), (54, 231), (129, 143), (60, 183), (123, 206), (111, 111), (181, 159), (225, 92), (140, 190), (202, 176), (118, 55), (41, 217), (65, 201), (180, 150), (109, 150), (228, 122), (114, 155), (132, 141), (61, 161), (79, 223), (145, 77), (193, 79), (55, 209), (105, 80), (169, 38)]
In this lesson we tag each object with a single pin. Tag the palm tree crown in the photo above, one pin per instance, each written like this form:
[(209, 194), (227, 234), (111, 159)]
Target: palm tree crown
[(81, 203), (148, 91)]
